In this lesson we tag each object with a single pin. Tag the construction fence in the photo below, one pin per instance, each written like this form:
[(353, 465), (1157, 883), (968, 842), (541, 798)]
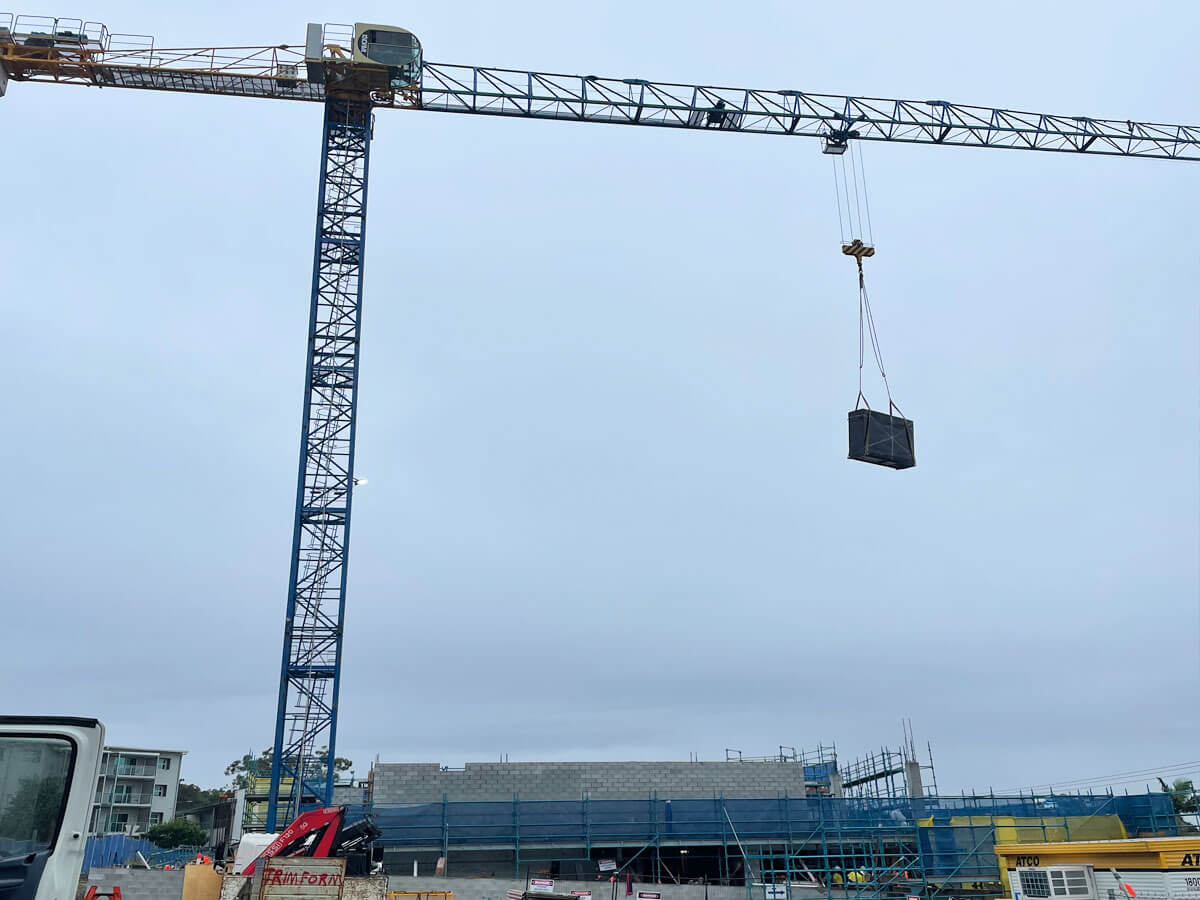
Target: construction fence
[(112, 850)]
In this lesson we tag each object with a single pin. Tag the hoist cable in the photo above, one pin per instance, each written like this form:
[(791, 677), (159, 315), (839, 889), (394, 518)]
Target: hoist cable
[(837, 193), (846, 189), (857, 202), (866, 328), (866, 317), (866, 196)]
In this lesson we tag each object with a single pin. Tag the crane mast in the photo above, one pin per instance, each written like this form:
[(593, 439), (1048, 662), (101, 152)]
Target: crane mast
[(310, 675), (354, 70)]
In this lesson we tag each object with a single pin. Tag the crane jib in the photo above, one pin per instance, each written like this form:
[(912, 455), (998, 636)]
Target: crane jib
[(277, 72)]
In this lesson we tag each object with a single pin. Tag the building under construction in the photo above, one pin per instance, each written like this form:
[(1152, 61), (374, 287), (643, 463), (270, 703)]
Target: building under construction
[(787, 826)]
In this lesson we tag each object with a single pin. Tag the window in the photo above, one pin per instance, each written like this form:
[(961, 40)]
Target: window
[(33, 791), (390, 48), (1056, 882), (1035, 883), (1069, 883), (156, 818), (118, 821), (160, 790), (164, 764)]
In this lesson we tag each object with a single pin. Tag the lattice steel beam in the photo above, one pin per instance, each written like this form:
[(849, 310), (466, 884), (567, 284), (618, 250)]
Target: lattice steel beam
[(277, 73), (834, 118), (306, 718)]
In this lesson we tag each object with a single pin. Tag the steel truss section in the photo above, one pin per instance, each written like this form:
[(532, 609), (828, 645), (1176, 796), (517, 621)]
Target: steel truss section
[(191, 82), (836, 119), (71, 51), (306, 718)]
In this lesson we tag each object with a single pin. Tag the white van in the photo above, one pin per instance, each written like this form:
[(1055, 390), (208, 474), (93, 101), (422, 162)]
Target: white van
[(48, 768)]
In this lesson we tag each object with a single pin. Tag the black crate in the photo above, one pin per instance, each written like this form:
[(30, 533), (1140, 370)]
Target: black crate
[(876, 437)]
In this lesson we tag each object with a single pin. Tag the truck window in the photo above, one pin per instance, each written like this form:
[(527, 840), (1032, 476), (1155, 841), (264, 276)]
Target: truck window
[(34, 772)]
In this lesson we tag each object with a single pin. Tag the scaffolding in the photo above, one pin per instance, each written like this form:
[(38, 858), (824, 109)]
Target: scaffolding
[(787, 848), (821, 755), (889, 774), (820, 764), (258, 794)]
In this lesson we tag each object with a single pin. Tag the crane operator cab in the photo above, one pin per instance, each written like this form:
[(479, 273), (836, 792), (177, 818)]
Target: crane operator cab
[(380, 58), (396, 48)]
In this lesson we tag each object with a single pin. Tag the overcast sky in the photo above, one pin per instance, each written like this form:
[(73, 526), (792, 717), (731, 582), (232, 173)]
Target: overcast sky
[(605, 376)]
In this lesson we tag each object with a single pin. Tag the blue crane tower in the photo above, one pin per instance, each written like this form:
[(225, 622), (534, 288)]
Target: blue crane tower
[(355, 70)]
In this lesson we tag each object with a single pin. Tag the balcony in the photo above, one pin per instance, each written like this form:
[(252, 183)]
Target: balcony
[(127, 770), (123, 798)]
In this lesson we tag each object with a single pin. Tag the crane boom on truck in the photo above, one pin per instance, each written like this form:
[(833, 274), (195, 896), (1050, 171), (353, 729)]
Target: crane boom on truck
[(320, 833), (354, 70)]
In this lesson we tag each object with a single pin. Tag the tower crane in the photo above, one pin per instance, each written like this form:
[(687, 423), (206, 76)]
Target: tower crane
[(354, 70)]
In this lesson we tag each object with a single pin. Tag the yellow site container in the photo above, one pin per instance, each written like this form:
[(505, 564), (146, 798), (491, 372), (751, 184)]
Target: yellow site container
[(1152, 868)]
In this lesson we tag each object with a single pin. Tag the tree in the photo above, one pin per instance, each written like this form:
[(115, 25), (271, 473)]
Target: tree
[(1183, 795), (177, 833), (192, 796), (33, 811), (1185, 800), (240, 769), (260, 765), (340, 763)]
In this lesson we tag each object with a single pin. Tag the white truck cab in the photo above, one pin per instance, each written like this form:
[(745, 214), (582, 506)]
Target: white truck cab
[(48, 768)]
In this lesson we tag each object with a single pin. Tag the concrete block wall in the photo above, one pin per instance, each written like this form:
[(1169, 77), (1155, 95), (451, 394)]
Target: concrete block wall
[(347, 793), (158, 884), (139, 884), (231, 886), (427, 782), (498, 888)]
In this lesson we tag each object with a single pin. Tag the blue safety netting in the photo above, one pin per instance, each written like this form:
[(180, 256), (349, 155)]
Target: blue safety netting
[(595, 822), (820, 772)]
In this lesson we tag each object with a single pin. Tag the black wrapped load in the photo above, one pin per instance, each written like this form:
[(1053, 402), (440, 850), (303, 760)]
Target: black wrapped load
[(876, 437)]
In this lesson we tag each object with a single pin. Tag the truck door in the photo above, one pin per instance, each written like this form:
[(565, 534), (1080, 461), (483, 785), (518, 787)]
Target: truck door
[(48, 768)]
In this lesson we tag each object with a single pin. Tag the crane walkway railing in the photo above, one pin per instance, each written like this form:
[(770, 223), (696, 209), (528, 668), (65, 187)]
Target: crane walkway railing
[(75, 51)]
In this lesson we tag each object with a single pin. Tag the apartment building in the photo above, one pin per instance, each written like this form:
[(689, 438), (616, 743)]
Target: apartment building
[(136, 788)]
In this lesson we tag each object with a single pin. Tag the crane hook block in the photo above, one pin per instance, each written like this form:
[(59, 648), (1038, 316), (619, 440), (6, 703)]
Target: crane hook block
[(858, 249), (881, 439)]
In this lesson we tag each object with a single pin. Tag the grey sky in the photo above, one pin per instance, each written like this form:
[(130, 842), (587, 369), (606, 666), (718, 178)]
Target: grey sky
[(604, 383)]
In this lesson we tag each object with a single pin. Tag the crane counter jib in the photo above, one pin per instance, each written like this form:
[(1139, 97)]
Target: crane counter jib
[(387, 65)]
